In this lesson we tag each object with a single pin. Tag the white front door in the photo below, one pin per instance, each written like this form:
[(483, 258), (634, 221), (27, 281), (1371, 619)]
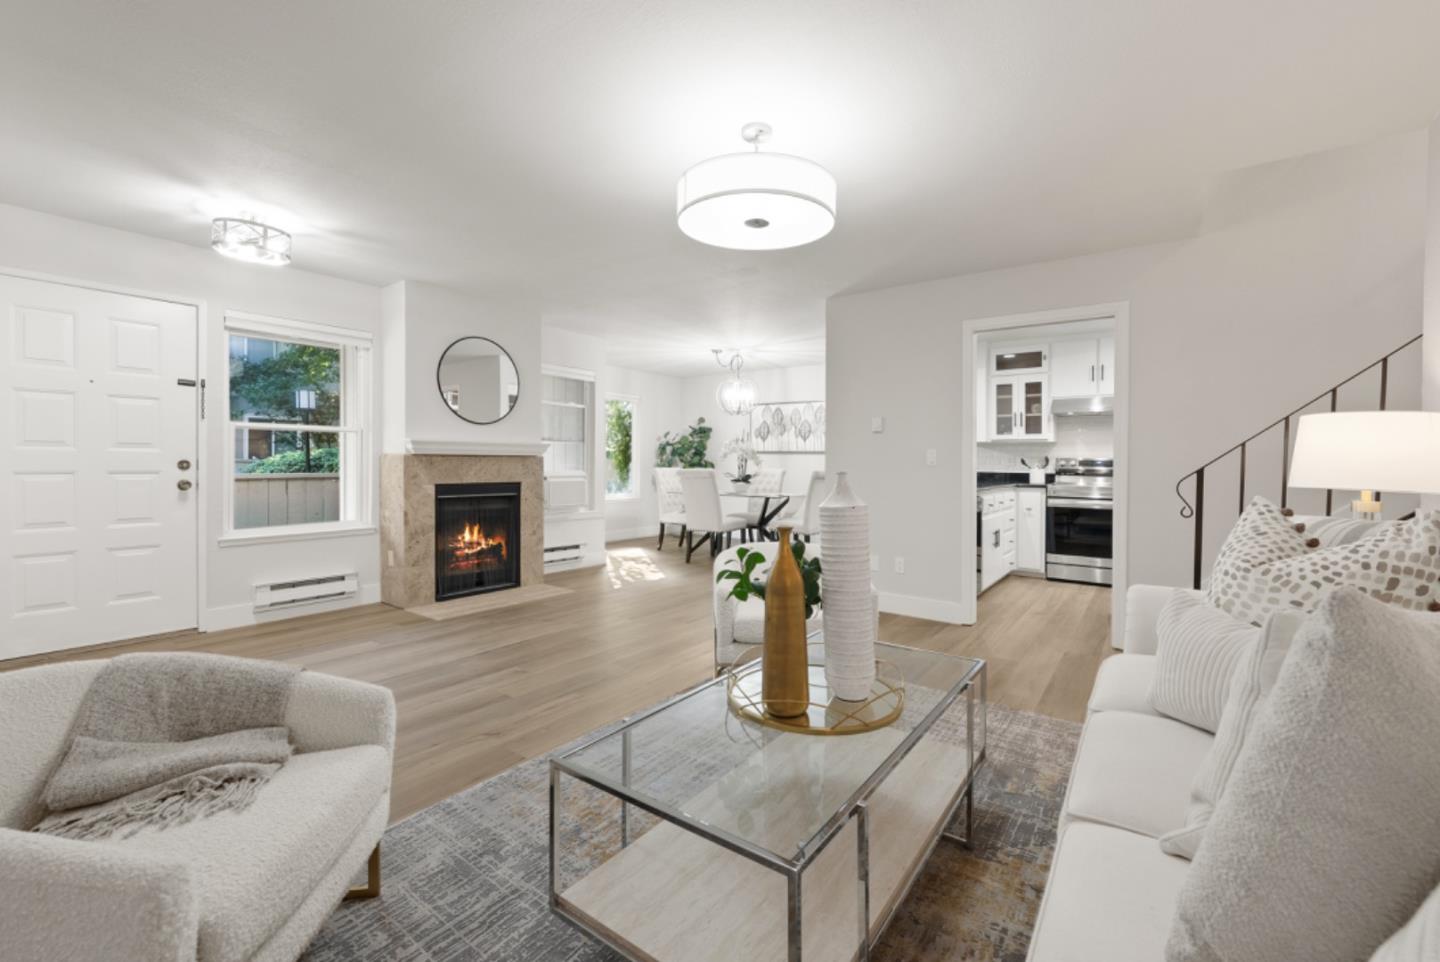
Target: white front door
[(98, 510)]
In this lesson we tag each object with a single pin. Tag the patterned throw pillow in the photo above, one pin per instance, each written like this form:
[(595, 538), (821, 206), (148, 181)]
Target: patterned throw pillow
[(1328, 530), (1263, 535), (1397, 563)]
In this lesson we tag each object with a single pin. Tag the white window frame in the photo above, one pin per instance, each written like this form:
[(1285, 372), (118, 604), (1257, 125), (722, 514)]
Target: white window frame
[(357, 468), (634, 402), (593, 450)]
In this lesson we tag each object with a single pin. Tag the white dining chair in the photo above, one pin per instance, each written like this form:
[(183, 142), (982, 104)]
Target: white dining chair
[(767, 483), (703, 512), (803, 514), (671, 498)]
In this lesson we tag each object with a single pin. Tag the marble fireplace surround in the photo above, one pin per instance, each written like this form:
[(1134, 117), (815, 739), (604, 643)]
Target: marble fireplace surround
[(407, 516)]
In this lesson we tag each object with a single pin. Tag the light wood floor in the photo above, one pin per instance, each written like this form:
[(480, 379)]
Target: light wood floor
[(478, 694)]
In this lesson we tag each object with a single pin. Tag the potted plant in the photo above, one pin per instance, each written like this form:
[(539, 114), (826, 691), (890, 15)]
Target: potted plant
[(684, 450), (745, 457), (747, 586)]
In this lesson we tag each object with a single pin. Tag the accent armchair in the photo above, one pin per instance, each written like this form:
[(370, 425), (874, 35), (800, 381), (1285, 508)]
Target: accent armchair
[(248, 886)]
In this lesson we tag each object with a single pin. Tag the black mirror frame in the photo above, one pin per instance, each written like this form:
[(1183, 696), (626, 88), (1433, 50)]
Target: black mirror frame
[(440, 385)]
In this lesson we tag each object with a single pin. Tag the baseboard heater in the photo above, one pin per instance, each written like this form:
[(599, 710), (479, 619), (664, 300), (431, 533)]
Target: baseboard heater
[(563, 554), (305, 591)]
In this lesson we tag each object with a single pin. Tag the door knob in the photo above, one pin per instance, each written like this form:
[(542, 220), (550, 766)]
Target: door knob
[(183, 464), (184, 484)]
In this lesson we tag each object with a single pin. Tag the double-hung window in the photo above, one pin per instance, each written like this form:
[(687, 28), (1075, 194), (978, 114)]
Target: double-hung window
[(298, 402), (619, 447)]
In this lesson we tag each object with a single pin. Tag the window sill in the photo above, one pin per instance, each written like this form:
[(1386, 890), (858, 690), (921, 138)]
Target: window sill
[(294, 532), (622, 497)]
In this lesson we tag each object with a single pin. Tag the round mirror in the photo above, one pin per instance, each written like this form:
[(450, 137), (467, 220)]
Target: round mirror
[(478, 380)]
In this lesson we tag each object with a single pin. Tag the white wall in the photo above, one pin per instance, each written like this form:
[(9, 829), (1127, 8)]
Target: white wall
[(803, 383), (658, 409), (1430, 384), (1304, 271), (36, 243), (420, 321)]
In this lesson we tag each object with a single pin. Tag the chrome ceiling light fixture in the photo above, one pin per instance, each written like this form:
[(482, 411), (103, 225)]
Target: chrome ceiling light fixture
[(250, 240), (736, 394), (756, 201)]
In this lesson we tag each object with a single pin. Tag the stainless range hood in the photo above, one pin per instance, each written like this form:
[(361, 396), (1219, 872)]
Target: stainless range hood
[(1072, 407)]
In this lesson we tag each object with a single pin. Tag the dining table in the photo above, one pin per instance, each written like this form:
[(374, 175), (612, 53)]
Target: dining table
[(771, 504)]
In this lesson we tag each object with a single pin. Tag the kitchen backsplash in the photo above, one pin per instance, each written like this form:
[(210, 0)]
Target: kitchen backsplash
[(1075, 437)]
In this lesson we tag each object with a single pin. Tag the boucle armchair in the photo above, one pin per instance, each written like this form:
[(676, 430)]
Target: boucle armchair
[(249, 886)]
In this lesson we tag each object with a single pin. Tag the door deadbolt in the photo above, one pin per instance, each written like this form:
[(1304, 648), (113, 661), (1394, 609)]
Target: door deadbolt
[(183, 464), (183, 484)]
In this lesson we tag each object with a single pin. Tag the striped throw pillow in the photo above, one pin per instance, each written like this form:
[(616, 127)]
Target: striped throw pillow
[(1253, 678), (1197, 649)]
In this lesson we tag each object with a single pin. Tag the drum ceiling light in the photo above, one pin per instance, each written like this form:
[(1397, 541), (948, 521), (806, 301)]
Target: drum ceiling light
[(756, 201), (250, 240)]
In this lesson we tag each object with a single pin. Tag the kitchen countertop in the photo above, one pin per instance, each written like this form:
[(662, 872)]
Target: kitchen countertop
[(1007, 479)]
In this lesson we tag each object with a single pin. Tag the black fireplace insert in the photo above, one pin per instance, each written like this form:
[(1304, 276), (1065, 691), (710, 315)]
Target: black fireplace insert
[(477, 538)]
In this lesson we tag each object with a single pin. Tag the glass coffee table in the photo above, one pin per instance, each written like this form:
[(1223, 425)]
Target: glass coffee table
[(686, 834)]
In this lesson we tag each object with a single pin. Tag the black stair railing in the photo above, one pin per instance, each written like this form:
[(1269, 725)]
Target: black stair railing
[(1196, 510)]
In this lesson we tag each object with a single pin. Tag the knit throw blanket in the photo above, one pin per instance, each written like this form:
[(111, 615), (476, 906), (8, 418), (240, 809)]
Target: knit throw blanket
[(161, 739)]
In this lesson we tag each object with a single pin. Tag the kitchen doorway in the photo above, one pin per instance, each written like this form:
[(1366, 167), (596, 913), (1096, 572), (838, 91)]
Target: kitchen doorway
[(1046, 437)]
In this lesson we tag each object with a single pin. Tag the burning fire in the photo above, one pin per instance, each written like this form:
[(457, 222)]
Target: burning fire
[(472, 547)]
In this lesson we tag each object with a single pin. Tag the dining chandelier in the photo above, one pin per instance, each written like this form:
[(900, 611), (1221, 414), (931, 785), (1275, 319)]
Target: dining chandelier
[(756, 201), (736, 394), (250, 240)]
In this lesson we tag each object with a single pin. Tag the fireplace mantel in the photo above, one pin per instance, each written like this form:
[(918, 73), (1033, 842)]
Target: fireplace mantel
[(407, 514), (500, 448)]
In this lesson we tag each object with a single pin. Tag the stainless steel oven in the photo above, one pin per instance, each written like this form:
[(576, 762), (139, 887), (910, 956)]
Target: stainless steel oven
[(1079, 521)]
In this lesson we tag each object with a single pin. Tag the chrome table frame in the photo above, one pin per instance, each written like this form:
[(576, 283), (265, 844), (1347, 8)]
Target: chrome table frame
[(856, 808)]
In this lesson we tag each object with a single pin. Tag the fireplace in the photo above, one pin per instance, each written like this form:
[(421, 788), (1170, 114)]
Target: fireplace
[(477, 538)]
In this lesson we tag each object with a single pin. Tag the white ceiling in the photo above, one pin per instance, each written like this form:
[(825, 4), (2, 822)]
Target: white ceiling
[(533, 147)]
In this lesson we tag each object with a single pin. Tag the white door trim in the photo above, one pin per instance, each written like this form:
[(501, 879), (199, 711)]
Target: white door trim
[(1120, 312), (203, 474)]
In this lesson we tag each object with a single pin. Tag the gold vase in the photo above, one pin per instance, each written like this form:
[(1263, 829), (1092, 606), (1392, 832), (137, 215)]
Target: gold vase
[(785, 671)]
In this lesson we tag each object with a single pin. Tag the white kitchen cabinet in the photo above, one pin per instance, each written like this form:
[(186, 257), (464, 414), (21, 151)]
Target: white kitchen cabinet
[(1107, 366), (1075, 367), (1030, 530), (1027, 357), (1020, 408), (997, 535), (1082, 367)]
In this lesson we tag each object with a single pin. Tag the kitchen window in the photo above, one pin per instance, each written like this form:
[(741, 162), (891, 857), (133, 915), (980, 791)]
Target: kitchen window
[(297, 403)]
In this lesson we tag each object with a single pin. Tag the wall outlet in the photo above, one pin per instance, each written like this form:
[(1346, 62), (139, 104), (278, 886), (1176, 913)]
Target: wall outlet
[(930, 457), (877, 425), (874, 562), (899, 565), (390, 557)]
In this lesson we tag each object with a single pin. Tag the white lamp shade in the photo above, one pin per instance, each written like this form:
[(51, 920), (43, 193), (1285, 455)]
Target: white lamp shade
[(1368, 450), (756, 201)]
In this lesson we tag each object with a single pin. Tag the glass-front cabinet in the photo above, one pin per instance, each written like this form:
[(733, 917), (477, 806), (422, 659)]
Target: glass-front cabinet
[(1020, 408)]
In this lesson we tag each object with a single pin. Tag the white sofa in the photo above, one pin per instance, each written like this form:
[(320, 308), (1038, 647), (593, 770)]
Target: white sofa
[(1111, 894), (252, 886)]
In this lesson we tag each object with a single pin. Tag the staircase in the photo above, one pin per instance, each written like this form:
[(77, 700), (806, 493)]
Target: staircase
[(1194, 507)]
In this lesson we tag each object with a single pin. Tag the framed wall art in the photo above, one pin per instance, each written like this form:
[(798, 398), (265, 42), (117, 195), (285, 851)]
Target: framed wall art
[(788, 427)]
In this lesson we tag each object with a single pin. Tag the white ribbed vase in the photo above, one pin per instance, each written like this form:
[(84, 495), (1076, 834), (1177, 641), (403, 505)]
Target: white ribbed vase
[(845, 592)]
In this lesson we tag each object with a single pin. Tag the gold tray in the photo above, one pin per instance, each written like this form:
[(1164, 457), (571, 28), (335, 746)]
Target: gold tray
[(827, 715)]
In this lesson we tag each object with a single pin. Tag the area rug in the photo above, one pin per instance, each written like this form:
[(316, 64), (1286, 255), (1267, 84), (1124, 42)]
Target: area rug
[(465, 879)]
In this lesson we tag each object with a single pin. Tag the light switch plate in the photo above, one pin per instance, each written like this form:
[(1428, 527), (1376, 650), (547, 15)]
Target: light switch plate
[(930, 457), (877, 425)]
